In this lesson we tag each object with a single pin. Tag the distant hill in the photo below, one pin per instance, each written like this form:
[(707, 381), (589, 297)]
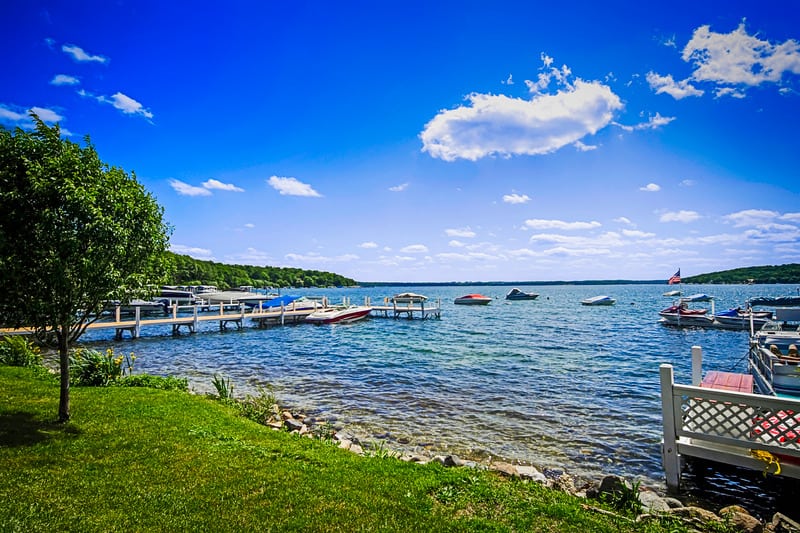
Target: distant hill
[(761, 275), (189, 271)]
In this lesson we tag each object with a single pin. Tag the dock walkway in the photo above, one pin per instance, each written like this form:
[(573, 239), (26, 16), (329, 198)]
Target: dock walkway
[(712, 419)]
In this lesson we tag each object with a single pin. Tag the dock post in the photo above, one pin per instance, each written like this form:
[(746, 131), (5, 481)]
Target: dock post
[(697, 365), (138, 327), (669, 446), (196, 318), (117, 313), (283, 316)]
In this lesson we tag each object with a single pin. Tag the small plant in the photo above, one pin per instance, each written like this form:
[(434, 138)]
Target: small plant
[(378, 449), (325, 432), (625, 498), (17, 350), (155, 382), (224, 387), (261, 408), (97, 369)]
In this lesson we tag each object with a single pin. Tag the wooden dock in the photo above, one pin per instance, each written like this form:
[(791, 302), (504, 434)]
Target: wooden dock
[(713, 419), (189, 317)]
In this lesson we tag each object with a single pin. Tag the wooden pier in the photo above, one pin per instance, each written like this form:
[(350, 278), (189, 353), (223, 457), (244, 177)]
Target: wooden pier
[(713, 420), (190, 316)]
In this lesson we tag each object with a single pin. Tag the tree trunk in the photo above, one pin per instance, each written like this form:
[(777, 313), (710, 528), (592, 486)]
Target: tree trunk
[(63, 356)]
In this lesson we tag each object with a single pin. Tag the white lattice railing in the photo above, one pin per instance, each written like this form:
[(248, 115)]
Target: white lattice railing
[(727, 427)]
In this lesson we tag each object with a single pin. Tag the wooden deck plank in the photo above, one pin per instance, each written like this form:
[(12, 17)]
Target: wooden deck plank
[(731, 381)]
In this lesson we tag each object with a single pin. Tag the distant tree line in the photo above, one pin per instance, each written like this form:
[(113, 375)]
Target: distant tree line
[(189, 271), (761, 274)]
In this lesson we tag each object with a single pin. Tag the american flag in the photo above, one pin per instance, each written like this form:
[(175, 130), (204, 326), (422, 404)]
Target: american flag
[(676, 278)]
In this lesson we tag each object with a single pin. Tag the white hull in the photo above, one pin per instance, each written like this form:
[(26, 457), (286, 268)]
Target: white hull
[(335, 315)]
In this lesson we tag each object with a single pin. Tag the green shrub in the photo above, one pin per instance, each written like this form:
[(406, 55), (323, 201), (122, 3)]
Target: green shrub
[(224, 387), (155, 382), (16, 350), (96, 369), (261, 408)]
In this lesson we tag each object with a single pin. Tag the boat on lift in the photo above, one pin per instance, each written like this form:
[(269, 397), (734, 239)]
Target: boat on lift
[(339, 315)]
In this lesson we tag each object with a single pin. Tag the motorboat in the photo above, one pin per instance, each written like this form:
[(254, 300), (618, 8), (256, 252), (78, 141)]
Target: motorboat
[(680, 314), (773, 356), (472, 299), (408, 298), (516, 294), (672, 293), (742, 319), (144, 307), (776, 301), (599, 300), (339, 315), (699, 297)]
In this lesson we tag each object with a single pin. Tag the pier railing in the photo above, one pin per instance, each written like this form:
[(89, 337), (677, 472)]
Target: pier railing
[(747, 430)]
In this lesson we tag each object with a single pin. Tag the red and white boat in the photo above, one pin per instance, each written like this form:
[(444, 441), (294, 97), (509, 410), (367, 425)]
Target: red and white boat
[(473, 299), (334, 315)]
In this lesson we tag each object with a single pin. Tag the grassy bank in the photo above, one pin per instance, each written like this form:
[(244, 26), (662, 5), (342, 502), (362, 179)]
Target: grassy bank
[(137, 459)]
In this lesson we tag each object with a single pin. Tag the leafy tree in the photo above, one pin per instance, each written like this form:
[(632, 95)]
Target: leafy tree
[(74, 233)]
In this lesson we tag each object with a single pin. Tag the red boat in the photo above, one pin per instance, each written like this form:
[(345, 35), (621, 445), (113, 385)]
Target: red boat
[(473, 299), (334, 315)]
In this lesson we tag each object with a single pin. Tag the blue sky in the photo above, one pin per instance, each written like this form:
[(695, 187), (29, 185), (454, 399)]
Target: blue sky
[(436, 141)]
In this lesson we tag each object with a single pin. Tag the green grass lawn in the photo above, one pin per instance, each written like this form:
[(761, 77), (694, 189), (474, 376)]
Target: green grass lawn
[(137, 459)]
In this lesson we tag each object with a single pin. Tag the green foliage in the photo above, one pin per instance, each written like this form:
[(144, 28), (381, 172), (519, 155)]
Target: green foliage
[(378, 449), (74, 233), (789, 273), (185, 270), (224, 387), (92, 368), (154, 382), (261, 408), (625, 498), (17, 350)]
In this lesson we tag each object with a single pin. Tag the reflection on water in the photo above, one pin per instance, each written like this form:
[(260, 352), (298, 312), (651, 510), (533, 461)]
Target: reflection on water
[(548, 381)]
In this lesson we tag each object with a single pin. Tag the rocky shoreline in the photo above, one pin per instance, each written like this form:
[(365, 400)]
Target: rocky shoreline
[(652, 502)]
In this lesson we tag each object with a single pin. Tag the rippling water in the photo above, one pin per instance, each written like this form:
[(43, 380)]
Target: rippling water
[(547, 382)]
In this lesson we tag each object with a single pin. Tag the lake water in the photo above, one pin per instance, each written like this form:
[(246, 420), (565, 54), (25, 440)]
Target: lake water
[(547, 382)]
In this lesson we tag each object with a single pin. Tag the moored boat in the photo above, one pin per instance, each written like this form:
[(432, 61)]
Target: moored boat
[(672, 293), (472, 299), (680, 314), (743, 319), (599, 300), (339, 315), (517, 294), (773, 356), (408, 298)]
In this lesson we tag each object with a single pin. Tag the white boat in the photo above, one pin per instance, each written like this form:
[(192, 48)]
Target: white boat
[(672, 293), (472, 299), (338, 315), (145, 307), (742, 319), (516, 294), (773, 356), (680, 314), (408, 298), (599, 300)]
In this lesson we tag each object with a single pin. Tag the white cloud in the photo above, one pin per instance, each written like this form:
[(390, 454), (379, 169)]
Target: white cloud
[(368, 245), (63, 79), (650, 187), (581, 147), (536, 223), (249, 225), (676, 89), (77, 53), (460, 232), (515, 198), (21, 118), (680, 216), (184, 189), (415, 249), (456, 244), (751, 217), (492, 125), (637, 234), (201, 253), (218, 185), (623, 220), (399, 188), (127, 105), (653, 123), (737, 58), (47, 115), (292, 187), (791, 217), (315, 258), (686, 183)]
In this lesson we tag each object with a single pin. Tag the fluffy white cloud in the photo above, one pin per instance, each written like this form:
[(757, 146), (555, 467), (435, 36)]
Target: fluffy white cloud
[(315, 258), (537, 223), (292, 187), (500, 125), (399, 188), (738, 58), (415, 249), (667, 85), (63, 79), (650, 187), (653, 123), (23, 120), (184, 189), (199, 253), (680, 216), (368, 245), (77, 53), (751, 217), (460, 232), (215, 184), (120, 101), (515, 198)]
